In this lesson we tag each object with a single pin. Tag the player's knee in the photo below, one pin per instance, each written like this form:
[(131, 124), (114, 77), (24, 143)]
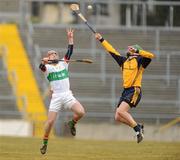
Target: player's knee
[(81, 113), (50, 122), (118, 116), (120, 113), (118, 119)]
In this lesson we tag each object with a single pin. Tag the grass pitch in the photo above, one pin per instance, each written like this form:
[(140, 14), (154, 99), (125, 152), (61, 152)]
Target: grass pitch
[(72, 149)]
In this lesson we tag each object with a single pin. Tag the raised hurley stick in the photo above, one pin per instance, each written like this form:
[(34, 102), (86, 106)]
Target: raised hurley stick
[(72, 60), (75, 8)]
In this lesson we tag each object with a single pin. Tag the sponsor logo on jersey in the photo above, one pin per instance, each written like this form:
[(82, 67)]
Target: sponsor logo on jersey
[(54, 76)]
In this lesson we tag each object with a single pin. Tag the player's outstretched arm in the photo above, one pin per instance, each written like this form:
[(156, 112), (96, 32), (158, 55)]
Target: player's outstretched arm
[(114, 53), (70, 35), (106, 45)]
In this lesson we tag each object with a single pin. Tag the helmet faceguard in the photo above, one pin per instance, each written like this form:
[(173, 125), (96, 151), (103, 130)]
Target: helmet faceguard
[(133, 49), (53, 55)]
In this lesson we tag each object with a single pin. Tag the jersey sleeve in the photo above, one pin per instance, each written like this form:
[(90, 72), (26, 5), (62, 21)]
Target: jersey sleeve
[(113, 52), (69, 52), (146, 54), (143, 61)]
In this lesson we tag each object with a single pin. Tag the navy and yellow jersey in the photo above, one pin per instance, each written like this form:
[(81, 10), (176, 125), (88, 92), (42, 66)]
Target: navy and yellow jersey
[(133, 67)]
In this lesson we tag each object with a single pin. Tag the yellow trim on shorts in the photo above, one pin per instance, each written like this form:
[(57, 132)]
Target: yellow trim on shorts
[(135, 95)]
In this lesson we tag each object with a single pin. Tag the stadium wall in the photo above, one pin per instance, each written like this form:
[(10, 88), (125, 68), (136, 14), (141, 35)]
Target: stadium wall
[(15, 128), (105, 131)]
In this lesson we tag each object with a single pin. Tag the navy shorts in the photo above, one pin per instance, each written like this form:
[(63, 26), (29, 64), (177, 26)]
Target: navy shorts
[(131, 95)]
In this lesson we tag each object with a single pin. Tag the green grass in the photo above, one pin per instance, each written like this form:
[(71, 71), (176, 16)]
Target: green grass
[(72, 149)]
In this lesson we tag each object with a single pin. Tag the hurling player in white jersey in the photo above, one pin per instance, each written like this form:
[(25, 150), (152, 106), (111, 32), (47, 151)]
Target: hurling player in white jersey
[(62, 97)]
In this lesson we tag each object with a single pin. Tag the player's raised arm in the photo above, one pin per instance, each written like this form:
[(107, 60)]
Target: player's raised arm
[(106, 45), (70, 35), (114, 53), (140, 52)]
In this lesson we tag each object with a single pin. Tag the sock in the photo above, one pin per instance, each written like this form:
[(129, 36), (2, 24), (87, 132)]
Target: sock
[(140, 126), (74, 121), (45, 140), (137, 128)]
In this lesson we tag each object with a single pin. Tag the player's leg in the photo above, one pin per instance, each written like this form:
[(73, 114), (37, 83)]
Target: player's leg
[(117, 117), (130, 98), (124, 116), (49, 123), (70, 102), (120, 119), (47, 129), (54, 107), (79, 112)]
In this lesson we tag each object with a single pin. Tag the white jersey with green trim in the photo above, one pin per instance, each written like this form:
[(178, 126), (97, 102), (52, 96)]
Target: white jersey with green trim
[(58, 77)]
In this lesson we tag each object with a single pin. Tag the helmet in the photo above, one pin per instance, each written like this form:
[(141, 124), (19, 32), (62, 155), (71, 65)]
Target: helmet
[(137, 47), (54, 60), (51, 52)]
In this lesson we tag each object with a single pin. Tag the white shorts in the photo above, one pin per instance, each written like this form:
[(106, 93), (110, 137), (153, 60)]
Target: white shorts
[(62, 100)]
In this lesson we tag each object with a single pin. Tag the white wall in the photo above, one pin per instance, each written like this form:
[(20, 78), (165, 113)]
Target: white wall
[(15, 128), (105, 131)]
